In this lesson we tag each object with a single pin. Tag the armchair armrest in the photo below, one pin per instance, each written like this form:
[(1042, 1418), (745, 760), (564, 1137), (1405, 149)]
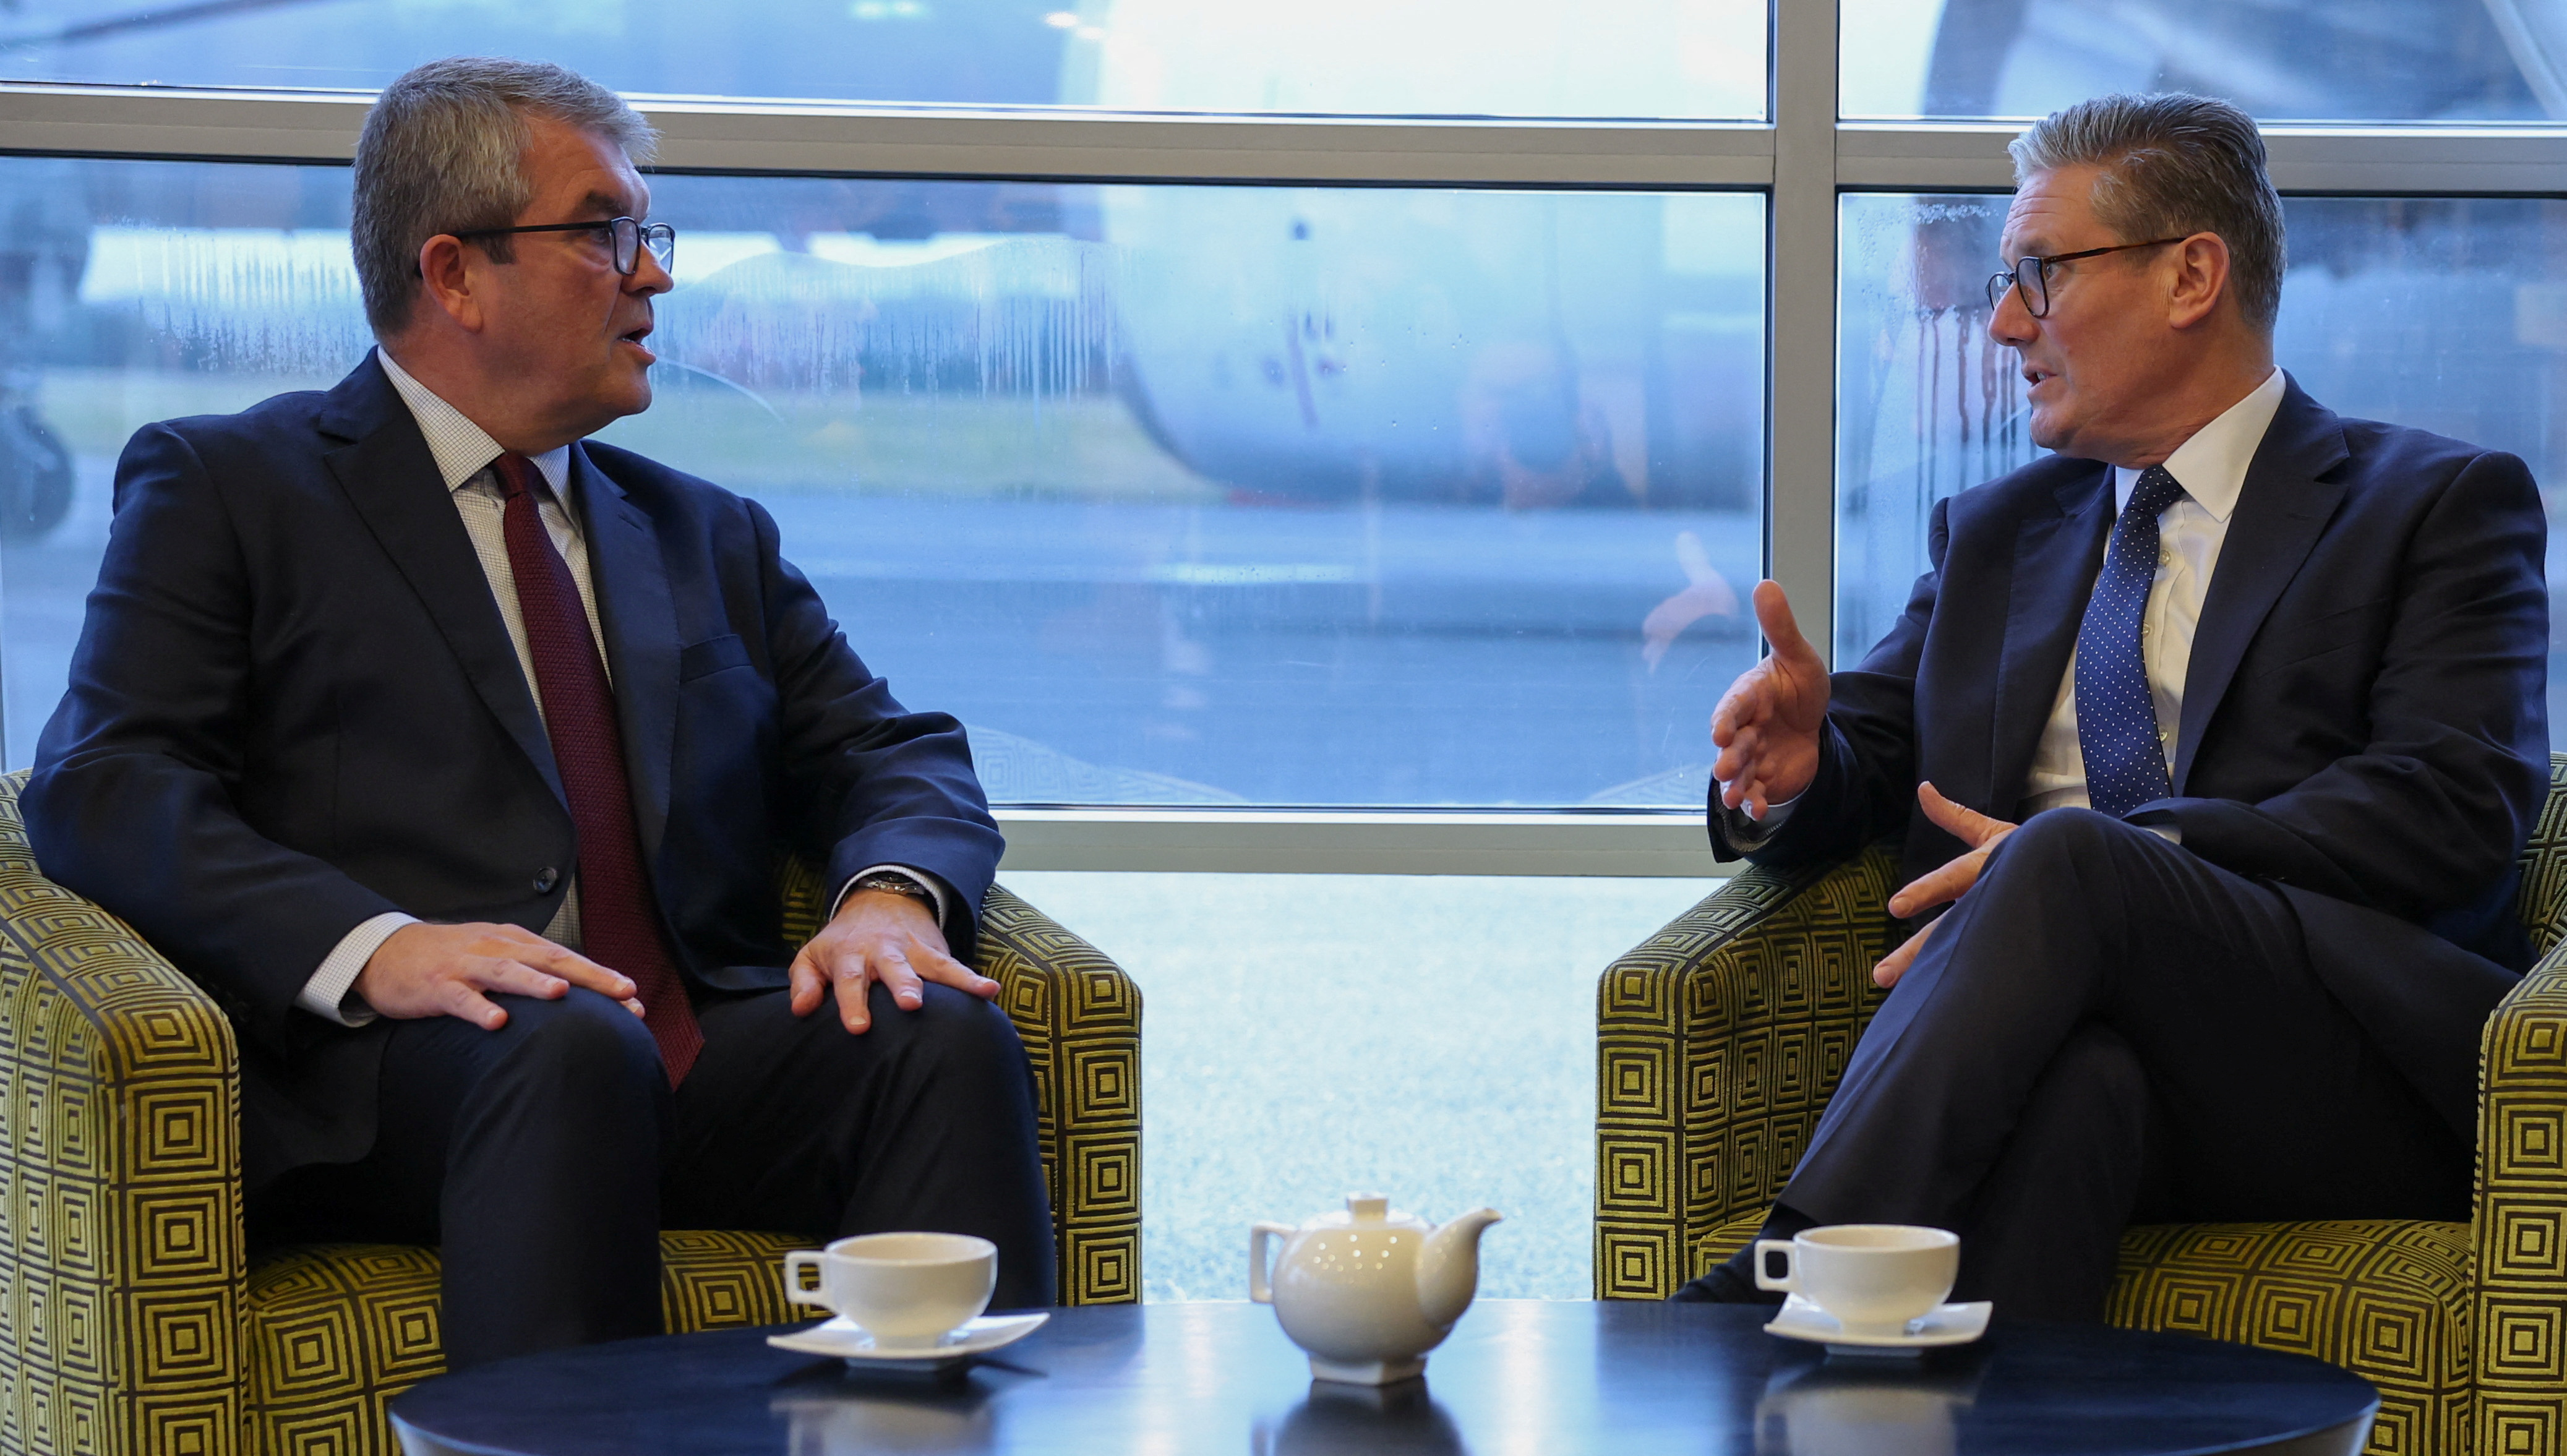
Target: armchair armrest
[(2520, 1227), (1718, 1043), (120, 1182), (1080, 1017)]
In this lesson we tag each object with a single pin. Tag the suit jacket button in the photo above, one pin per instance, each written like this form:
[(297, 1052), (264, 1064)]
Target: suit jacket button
[(545, 879)]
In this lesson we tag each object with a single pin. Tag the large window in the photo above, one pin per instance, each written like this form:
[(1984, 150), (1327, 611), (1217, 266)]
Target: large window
[(1320, 438), (1526, 58), (1175, 494), (1308, 1036), (2342, 60)]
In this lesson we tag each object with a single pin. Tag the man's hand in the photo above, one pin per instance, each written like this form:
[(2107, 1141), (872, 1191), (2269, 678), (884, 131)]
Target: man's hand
[(878, 936), (1767, 724), (444, 971), (1949, 882)]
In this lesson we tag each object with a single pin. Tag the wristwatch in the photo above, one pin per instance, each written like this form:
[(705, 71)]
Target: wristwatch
[(897, 884)]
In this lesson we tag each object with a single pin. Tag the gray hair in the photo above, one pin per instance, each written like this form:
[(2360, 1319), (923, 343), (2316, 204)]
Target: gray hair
[(2174, 164), (444, 150)]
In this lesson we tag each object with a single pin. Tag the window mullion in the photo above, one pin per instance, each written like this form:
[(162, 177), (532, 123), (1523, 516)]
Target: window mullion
[(1801, 453)]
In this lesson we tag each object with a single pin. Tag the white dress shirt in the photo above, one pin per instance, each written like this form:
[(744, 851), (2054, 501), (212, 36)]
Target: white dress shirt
[(463, 452), (2211, 468)]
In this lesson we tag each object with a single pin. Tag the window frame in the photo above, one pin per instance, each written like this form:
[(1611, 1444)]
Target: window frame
[(1804, 158)]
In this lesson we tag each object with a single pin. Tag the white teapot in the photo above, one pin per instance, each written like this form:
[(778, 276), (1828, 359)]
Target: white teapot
[(1370, 1290)]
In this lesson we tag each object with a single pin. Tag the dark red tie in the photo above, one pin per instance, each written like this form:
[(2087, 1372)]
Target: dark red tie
[(619, 926)]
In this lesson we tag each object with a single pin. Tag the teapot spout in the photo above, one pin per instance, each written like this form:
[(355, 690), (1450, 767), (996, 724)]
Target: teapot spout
[(1448, 1267)]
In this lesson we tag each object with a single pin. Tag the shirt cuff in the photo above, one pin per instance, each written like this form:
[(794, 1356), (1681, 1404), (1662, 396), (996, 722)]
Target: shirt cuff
[(934, 887), (1745, 833), (328, 995)]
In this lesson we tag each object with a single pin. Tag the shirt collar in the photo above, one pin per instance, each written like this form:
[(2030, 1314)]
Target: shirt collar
[(463, 448), (2211, 467)]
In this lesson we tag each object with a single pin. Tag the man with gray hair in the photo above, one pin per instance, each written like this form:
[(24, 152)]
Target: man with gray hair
[(2213, 738), (451, 751)]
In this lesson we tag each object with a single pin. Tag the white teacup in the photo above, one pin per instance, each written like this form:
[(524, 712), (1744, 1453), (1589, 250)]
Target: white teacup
[(907, 1290), (1873, 1278)]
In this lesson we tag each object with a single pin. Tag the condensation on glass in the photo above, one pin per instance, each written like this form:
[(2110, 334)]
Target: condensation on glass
[(2448, 314), (1701, 59), (1174, 495), (2282, 60)]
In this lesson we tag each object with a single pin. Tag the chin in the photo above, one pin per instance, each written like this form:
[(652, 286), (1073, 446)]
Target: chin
[(633, 398)]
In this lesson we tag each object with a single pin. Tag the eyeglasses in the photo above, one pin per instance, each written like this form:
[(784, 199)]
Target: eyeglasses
[(2032, 275), (629, 236)]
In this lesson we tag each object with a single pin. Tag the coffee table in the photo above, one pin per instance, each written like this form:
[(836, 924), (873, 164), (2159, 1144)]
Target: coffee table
[(1630, 1378)]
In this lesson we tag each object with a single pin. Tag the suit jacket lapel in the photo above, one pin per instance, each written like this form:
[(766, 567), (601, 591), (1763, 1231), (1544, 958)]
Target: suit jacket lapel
[(640, 619), (2284, 505), (2056, 558), (392, 481)]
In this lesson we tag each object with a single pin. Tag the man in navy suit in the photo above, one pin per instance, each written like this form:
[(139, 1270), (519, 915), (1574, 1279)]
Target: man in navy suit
[(2213, 735), (454, 756)]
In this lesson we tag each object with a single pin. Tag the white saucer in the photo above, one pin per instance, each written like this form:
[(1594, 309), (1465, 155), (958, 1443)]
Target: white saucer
[(853, 1343), (1943, 1324)]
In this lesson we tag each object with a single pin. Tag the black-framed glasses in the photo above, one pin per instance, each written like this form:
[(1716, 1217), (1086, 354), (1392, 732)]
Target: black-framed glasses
[(630, 235), (2032, 275)]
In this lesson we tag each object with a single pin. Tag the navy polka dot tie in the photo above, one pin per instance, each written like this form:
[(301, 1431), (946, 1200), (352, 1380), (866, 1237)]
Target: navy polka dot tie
[(2117, 719)]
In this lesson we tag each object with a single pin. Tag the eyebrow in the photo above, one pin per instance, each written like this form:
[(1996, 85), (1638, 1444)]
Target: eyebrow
[(604, 204), (2031, 244)]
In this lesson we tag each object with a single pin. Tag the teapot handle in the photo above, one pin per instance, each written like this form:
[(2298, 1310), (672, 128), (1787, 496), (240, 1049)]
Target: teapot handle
[(1258, 1289)]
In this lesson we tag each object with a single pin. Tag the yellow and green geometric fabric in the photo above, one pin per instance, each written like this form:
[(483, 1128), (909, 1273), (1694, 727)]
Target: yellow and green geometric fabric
[(1720, 1038), (335, 1330), (131, 1321), (2518, 1231)]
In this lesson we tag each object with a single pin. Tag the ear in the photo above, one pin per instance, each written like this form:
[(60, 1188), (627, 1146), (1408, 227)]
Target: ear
[(2199, 279), (451, 276)]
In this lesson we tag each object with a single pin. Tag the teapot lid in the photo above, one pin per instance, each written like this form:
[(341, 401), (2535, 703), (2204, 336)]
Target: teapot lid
[(1369, 1211)]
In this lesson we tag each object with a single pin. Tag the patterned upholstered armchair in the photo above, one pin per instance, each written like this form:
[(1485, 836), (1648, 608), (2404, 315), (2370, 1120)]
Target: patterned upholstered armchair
[(1721, 1037), (133, 1321)]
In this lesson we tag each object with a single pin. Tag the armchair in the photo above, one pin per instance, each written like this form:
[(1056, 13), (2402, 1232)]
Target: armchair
[(1720, 1038), (133, 1320)]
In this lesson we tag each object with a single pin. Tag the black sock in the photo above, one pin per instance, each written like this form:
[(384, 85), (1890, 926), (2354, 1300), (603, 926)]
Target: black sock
[(1734, 1283)]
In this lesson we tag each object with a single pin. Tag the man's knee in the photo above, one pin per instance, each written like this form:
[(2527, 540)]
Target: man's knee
[(2094, 1066), (584, 1042), (2066, 841), (962, 1034), (2069, 830), (571, 1103)]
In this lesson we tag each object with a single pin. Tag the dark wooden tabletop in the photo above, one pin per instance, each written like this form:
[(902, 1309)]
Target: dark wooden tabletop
[(1517, 1376)]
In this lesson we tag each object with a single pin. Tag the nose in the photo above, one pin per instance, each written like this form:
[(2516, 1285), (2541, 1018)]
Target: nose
[(2012, 324), (649, 277)]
